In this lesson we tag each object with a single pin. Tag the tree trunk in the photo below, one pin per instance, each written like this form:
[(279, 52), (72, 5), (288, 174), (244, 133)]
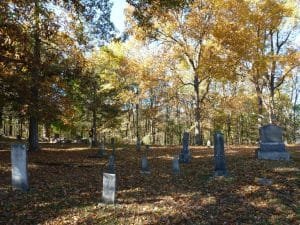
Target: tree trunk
[(35, 75), (33, 134), (138, 140), (198, 139), (259, 105)]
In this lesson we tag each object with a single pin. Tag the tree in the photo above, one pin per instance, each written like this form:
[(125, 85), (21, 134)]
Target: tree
[(33, 34), (188, 28)]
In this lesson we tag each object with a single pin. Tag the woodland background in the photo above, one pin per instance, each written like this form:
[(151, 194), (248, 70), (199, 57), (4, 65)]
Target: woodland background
[(180, 65)]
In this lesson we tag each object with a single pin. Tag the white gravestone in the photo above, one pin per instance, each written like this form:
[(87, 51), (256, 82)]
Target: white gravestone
[(19, 167), (109, 188)]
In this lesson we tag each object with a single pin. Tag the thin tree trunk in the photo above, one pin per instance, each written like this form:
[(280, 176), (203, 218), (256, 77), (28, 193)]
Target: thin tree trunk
[(33, 117)]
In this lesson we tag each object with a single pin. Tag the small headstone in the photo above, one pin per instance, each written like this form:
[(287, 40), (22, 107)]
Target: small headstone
[(219, 155), (109, 188), (264, 181), (101, 151), (185, 156), (175, 165), (111, 164), (19, 167), (145, 165), (271, 144)]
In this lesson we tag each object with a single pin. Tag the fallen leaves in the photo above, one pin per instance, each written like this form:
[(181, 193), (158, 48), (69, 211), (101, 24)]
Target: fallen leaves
[(66, 188)]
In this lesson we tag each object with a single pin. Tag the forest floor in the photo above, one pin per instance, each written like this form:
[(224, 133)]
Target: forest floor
[(66, 188)]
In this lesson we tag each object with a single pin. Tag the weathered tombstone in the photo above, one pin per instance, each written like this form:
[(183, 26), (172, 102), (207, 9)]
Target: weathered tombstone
[(175, 165), (109, 188), (185, 156), (145, 165), (19, 167), (219, 155), (111, 164), (101, 151), (271, 144)]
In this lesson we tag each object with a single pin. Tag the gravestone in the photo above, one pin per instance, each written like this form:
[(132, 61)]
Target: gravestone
[(111, 164), (19, 167), (145, 165), (271, 144), (101, 151), (219, 155), (109, 188), (175, 165), (185, 156)]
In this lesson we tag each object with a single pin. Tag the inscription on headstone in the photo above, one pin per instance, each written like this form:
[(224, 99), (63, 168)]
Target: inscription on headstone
[(185, 156), (19, 167), (219, 155), (109, 188), (271, 143)]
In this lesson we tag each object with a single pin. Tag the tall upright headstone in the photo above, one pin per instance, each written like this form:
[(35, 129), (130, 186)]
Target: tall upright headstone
[(271, 144), (109, 188), (185, 156), (19, 167), (219, 155)]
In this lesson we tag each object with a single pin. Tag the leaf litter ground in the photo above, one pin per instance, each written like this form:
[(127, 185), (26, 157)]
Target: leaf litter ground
[(66, 187)]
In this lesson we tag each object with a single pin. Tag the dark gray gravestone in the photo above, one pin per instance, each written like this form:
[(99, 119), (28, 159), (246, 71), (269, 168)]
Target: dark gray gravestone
[(19, 167), (145, 165), (109, 188), (175, 165), (111, 164), (271, 144), (185, 156), (101, 151), (219, 155)]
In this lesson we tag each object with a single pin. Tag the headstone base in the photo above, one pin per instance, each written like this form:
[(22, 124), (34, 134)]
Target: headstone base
[(273, 155), (220, 173), (145, 172)]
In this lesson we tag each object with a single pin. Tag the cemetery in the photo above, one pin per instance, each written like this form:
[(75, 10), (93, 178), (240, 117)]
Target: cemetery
[(149, 112)]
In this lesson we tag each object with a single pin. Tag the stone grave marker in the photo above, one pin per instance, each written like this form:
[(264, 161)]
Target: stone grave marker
[(219, 155), (271, 144), (175, 165), (145, 165), (109, 188), (101, 151), (185, 156), (19, 167)]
